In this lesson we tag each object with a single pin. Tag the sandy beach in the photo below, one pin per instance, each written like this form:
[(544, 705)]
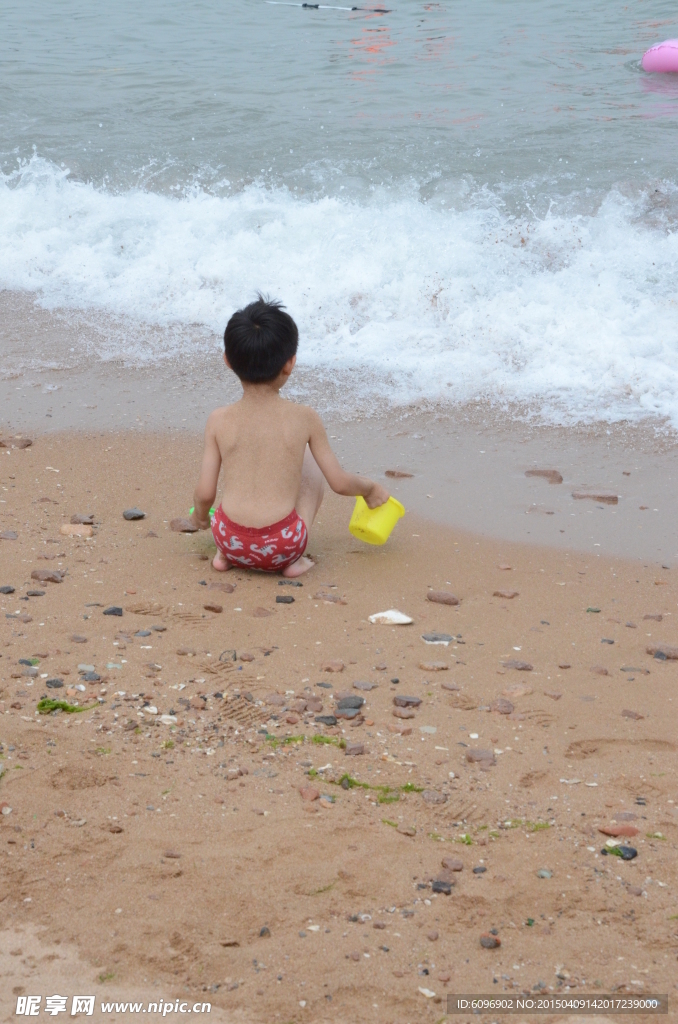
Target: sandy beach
[(196, 833)]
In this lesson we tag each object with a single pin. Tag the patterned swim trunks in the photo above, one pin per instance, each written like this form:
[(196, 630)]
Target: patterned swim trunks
[(271, 548)]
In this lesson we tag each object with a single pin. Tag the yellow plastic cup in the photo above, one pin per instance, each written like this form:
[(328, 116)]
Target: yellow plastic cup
[(374, 525)]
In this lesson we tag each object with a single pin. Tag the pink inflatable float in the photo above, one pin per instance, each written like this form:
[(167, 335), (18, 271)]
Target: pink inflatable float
[(662, 57)]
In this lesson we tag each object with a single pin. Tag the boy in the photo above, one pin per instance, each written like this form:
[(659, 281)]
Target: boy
[(274, 454)]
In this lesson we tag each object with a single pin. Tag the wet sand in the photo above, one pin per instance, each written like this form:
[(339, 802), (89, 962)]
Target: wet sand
[(469, 463), (177, 858)]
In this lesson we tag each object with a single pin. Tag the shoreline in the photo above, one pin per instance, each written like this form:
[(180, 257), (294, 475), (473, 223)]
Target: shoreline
[(468, 475)]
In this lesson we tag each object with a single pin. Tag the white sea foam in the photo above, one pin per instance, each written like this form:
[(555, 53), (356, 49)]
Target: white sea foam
[(573, 317)]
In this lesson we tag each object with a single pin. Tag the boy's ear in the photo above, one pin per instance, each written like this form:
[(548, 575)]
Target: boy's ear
[(289, 366), (227, 362)]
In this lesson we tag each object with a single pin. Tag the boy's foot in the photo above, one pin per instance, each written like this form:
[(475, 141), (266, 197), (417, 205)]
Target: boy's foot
[(301, 565), (219, 563)]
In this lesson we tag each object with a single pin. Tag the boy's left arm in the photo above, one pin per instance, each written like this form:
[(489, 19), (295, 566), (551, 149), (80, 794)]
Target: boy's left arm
[(206, 488)]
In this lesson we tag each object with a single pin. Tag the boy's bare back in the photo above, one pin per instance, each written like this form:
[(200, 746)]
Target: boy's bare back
[(261, 441)]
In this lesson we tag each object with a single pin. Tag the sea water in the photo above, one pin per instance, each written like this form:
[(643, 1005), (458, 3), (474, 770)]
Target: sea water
[(456, 201)]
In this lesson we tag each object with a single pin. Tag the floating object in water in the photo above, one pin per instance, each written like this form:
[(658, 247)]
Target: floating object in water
[(329, 7), (374, 525), (662, 58)]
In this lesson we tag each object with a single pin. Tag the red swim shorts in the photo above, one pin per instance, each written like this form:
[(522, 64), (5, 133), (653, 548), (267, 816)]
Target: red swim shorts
[(270, 548)]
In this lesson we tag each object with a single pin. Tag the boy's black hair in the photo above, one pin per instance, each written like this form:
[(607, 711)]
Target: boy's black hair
[(259, 340)]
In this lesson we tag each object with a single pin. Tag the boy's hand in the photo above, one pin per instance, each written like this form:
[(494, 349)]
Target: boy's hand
[(202, 524), (376, 496)]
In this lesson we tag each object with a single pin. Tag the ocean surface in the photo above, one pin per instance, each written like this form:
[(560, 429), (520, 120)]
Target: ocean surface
[(457, 201)]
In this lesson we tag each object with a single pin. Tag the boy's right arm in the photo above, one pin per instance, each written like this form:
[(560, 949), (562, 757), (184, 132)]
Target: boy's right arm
[(341, 482), (206, 488)]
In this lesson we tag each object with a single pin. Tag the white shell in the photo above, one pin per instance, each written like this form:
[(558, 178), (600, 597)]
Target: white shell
[(392, 617)]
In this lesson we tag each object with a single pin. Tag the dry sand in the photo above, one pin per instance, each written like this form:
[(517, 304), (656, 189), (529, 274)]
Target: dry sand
[(142, 860)]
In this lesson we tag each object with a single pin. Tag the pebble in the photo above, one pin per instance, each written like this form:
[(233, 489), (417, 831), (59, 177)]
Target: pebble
[(624, 852), (76, 530), (544, 873), (442, 885), (432, 796), (179, 525), (332, 666), (6, 590), (634, 890), (326, 719), (350, 702), (365, 686), (450, 686), (452, 863), (227, 588), (402, 730), (47, 576), (54, 684), (403, 713), (552, 694), (398, 474), (329, 598), (517, 690), (437, 638), (603, 497), (171, 855), (5, 808), (433, 666), (82, 519), (480, 870), (517, 665), (347, 713), (442, 597), (309, 793), (488, 941), (619, 830), (599, 670), (402, 701), (262, 613), (9, 535), (406, 830), (474, 755), (432, 936), (354, 749), (198, 703), (113, 610), (663, 652), (216, 608), (552, 475), (508, 595), (76, 638), (502, 706), (290, 583), (143, 632), (133, 513), (35, 593), (284, 599), (635, 715), (430, 730)]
